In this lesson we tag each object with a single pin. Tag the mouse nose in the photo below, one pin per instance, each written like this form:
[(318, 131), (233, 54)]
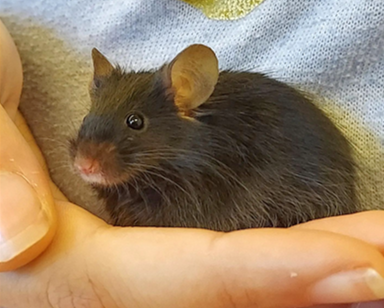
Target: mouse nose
[(87, 166)]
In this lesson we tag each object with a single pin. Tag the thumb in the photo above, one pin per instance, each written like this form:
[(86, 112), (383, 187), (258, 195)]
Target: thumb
[(11, 76), (27, 217)]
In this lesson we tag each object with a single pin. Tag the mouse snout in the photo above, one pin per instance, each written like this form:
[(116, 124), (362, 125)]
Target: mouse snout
[(87, 166), (95, 161)]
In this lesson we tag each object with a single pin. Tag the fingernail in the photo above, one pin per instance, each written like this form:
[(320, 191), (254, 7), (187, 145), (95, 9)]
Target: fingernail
[(348, 287), (23, 222)]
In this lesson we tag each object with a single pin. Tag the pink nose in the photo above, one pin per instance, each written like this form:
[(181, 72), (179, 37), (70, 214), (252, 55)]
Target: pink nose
[(87, 165)]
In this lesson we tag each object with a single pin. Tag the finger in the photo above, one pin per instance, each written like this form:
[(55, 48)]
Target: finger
[(22, 126), (27, 216), (251, 268), (318, 268), (11, 77), (375, 304), (366, 226)]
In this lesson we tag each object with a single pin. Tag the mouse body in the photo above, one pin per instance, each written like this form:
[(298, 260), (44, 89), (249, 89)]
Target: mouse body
[(189, 146)]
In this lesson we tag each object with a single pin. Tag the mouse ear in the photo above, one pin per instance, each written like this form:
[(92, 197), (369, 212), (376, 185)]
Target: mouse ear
[(101, 66), (193, 75)]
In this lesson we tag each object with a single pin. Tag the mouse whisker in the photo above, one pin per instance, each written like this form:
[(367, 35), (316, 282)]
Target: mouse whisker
[(151, 170)]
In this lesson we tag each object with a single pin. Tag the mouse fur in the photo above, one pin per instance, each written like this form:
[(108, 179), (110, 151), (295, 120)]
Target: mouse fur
[(256, 153)]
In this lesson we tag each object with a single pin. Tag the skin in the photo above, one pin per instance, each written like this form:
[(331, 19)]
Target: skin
[(80, 261)]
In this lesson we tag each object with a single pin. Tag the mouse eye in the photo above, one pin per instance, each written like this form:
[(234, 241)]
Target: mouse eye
[(135, 121)]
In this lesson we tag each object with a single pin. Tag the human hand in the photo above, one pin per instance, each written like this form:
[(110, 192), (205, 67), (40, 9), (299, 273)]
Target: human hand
[(78, 260)]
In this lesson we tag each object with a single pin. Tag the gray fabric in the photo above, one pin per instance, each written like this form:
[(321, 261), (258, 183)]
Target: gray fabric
[(334, 48)]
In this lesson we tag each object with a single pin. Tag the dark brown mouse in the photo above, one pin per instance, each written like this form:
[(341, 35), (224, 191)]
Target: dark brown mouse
[(189, 146)]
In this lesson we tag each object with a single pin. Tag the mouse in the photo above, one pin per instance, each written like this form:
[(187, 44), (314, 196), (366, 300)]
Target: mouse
[(189, 145)]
